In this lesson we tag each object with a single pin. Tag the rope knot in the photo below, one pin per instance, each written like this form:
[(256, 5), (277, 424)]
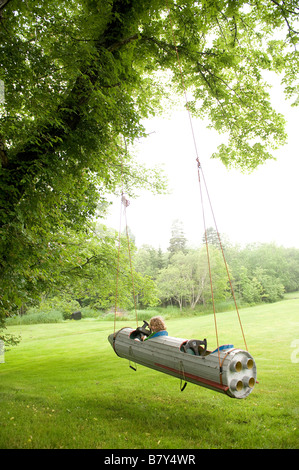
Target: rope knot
[(125, 201)]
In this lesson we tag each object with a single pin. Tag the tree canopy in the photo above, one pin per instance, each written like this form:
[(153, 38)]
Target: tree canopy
[(79, 77)]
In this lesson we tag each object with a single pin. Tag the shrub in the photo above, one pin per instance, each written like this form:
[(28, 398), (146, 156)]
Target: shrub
[(53, 316), (88, 312), (144, 314)]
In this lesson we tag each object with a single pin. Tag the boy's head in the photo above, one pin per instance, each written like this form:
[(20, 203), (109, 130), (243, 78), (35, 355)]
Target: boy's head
[(157, 324)]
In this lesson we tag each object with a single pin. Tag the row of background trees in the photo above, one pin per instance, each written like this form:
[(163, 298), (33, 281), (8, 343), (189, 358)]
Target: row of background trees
[(85, 270), (259, 272)]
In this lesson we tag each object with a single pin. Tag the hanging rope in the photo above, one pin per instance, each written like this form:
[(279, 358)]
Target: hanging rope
[(209, 264), (199, 169), (123, 208), (224, 259), (126, 204), (117, 270)]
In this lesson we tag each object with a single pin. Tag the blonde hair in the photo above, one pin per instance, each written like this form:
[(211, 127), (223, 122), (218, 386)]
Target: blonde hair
[(157, 324)]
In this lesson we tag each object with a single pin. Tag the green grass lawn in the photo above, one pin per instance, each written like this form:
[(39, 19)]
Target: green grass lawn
[(64, 387)]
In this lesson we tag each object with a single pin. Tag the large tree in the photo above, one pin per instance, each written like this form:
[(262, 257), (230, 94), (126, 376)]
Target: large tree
[(80, 76)]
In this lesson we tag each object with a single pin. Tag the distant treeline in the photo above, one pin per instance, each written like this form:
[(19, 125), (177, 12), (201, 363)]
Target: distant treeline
[(258, 272), (89, 273)]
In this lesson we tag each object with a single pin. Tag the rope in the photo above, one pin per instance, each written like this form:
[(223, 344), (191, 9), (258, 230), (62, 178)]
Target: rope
[(117, 270), (199, 167), (224, 259), (118, 253), (131, 268), (182, 78), (209, 264), (125, 203)]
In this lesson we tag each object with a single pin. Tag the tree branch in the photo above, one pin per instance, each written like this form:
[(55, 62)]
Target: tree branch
[(123, 42), (3, 4), (284, 11)]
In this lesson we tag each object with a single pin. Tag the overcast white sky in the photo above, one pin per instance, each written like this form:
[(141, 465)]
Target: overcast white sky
[(258, 207)]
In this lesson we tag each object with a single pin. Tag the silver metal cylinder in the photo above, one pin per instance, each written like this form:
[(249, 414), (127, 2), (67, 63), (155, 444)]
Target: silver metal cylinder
[(230, 371)]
